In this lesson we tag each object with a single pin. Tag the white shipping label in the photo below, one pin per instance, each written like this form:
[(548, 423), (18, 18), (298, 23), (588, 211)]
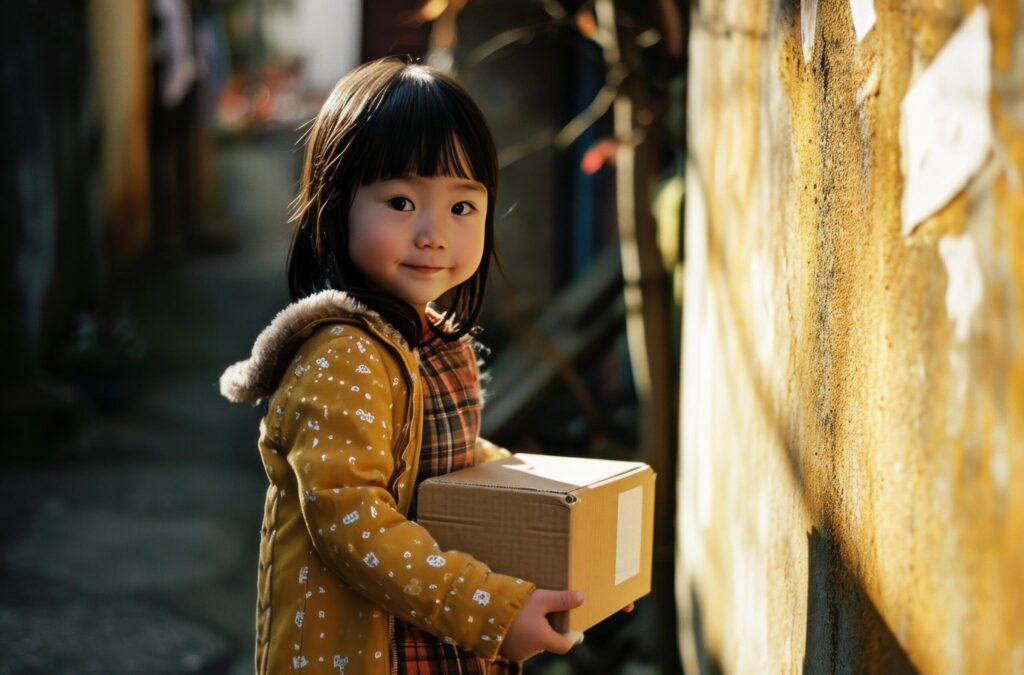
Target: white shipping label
[(628, 534)]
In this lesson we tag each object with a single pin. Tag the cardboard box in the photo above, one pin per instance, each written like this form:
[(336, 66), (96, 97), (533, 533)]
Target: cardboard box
[(560, 522)]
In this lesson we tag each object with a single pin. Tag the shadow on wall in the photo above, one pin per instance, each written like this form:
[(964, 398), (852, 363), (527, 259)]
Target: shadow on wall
[(707, 663), (845, 633)]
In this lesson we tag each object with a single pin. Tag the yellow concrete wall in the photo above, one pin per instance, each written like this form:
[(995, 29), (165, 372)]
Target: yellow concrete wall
[(851, 493)]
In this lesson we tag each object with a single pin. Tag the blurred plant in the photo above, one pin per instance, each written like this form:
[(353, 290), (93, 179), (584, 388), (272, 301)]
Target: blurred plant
[(645, 41)]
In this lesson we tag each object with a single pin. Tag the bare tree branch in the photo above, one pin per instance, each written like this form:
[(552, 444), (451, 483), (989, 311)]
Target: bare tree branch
[(522, 149), (521, 35)]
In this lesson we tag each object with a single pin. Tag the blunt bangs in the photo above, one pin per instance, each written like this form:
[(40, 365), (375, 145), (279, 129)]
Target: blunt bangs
[(426, 127)]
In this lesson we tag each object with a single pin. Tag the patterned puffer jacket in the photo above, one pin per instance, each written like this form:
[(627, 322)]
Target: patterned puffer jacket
[(340, 444)]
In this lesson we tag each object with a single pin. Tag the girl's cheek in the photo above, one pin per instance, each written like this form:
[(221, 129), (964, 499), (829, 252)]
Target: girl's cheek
[(367, 256), (372, 240), (478, 245), (478, 254)]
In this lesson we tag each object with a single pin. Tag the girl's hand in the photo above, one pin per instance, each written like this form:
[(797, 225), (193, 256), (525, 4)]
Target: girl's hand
[(530, 632)]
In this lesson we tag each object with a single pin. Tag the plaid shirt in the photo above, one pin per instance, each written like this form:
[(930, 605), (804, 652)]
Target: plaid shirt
[(451, 421)]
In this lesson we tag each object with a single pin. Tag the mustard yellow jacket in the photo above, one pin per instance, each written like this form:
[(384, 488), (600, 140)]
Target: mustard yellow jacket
[(340, 443)]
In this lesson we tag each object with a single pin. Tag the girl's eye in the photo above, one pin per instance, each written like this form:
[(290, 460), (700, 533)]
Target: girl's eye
[(463, 208), (400, 204)]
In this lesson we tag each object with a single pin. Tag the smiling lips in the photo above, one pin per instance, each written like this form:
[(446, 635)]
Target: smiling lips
[(424, 269)]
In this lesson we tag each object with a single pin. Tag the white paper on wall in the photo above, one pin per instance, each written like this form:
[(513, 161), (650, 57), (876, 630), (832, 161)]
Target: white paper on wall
[(965, 286), (945, 122), (808, 26), (863, 16)]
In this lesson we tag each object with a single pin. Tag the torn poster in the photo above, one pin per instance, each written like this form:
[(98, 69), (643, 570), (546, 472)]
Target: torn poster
[(945, 122), (863, 16)]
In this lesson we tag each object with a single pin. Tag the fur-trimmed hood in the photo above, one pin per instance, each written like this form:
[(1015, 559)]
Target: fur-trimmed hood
[(256, 377)]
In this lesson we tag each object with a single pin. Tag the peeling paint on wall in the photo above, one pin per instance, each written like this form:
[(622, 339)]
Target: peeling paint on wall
[(808, 26), (965, 287), (945, 124), (870, 86), (864, 17)]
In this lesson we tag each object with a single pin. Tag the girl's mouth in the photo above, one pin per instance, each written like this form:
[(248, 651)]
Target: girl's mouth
[(424, 269)]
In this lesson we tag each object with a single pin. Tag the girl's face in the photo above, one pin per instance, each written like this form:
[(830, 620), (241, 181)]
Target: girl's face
[(415, 238)]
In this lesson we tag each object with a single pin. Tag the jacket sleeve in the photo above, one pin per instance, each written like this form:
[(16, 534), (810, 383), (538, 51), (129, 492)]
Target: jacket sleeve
[(344, 402)]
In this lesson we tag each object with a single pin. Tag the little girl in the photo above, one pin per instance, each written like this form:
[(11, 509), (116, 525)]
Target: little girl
[(370, 390)]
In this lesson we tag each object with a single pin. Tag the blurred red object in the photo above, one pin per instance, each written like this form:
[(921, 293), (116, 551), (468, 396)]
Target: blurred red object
[(598, 154), (275, 99), (586, 23)]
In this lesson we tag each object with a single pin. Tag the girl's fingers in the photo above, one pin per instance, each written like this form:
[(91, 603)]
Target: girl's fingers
[(558, 643), (576, 636), (562, 601)]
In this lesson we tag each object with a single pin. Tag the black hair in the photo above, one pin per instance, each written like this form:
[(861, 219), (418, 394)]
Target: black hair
[(388, 119)]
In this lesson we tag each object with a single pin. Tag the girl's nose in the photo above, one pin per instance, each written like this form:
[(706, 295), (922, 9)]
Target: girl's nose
[(430, 233)]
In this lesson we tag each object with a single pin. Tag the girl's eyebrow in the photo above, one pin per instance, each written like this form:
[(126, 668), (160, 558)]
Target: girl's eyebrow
[(461, 184), (470, 185)]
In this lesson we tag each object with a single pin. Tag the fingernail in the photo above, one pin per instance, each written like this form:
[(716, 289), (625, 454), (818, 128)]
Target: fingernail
[(579, 596)]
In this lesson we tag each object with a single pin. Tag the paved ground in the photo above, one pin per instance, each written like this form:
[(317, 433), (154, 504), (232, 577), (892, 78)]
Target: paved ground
[(140, 556)]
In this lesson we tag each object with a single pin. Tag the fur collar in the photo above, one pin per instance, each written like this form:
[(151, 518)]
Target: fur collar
[(257, 377)]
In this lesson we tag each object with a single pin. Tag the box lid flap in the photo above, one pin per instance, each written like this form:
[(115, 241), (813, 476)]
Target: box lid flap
[(542, 473)]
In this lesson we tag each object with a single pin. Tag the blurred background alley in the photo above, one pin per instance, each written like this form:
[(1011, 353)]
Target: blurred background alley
[(835, 413), (128, 538)]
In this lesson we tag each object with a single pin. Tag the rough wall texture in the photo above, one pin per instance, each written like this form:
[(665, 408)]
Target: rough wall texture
[(852, 471)]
